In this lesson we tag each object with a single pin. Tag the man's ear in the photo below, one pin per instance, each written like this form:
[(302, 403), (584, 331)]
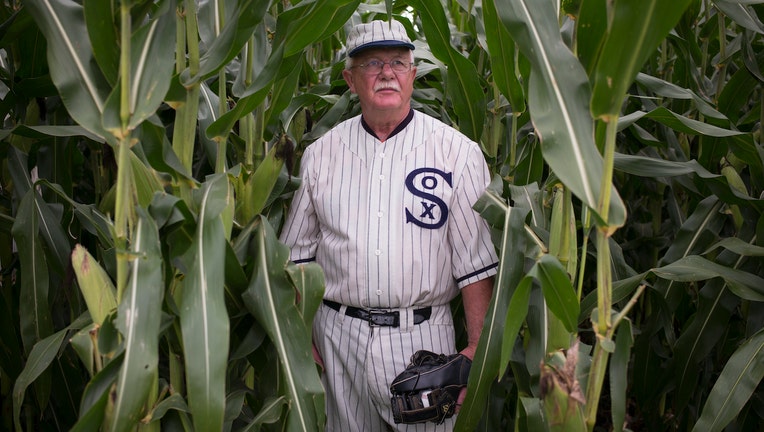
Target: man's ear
[(348, 75)]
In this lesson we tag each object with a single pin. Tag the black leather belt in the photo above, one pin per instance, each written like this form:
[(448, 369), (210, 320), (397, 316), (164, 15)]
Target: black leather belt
[(380, 317)]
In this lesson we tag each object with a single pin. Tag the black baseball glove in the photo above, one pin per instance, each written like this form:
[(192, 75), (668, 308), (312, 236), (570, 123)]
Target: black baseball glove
[(429, 386)]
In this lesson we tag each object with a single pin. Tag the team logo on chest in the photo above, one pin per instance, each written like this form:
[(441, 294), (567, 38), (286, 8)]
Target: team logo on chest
[(432, 211)]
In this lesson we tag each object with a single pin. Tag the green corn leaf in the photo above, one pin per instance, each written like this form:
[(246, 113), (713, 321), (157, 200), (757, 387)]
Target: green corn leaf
[(501, 48), (640, 25), (298, 103), (82, 343), (152, 66), (92, 220), (259, 186), (95, 397), (254, 95), (72, 65), (591, 25), (156, 146), (558, 290), (619, 368), (209, 106), (516, 313), (34, 311), (269, 413), (42, 355), (50, 230), (270, 298), (558, 100), (138, 320), (44, 131), (693, 268), (306, 279), (146, 181), (104, 35), (677, 122), (487, 367), (229, 42), (96, 286), (321, 20), (151, 72), (203, 316), (699, 231), (738, 246), (741, 13), (530, 415), (465, 91), (283, 91), (716, 304), (664, 88), (737, 382)]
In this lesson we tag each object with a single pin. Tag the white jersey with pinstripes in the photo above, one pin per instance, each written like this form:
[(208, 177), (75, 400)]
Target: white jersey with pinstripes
[(391, 223)]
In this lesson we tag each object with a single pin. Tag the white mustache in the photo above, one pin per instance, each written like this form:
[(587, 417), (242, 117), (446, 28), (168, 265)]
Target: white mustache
[(391, 85)]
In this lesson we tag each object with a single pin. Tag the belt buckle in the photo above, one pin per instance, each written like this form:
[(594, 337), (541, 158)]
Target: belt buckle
[(383, 318)]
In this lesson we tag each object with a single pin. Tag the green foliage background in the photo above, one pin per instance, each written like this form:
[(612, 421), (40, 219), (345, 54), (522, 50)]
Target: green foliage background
[(149, 149)]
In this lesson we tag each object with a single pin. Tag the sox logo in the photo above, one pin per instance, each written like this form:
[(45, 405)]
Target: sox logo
[(428, 182)]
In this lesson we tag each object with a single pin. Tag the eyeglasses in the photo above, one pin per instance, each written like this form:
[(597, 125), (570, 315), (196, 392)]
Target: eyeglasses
[(374, 67)]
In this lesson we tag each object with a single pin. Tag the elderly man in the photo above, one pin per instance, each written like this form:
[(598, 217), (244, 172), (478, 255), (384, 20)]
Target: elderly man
[(385, 207)]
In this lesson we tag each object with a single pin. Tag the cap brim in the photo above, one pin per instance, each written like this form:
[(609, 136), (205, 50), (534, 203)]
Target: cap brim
[(380, 44)]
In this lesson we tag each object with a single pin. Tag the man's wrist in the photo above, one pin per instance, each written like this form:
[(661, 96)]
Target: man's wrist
[(469, 351)]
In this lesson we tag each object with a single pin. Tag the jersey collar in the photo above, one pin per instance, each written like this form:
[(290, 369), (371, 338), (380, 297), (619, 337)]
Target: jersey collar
[(402, 125)]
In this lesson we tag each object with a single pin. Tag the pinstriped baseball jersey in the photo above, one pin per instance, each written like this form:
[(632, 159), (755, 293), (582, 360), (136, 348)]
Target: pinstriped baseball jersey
[(391, 223)]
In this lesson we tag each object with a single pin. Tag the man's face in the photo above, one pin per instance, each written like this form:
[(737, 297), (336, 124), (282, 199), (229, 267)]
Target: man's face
[(385, 90)]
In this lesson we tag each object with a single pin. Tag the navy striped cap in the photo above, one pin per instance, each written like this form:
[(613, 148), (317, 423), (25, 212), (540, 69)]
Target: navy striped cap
[(377, 34)]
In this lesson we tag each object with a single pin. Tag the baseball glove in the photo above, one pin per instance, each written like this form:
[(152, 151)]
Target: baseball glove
[(428, 388)]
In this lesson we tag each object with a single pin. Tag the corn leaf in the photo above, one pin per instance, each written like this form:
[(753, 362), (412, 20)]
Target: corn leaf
[(203, 316), (693, 268), (737, 382), (558, 100), (34, 311), (617, 67), (502, 48), (51, 233), (229, 41), (619, 373), (320, 21), (270, 298), (104, 35), (95, 397), (558, 290), (486, 366), (138, 321), (42, 355), (72, 65), (465, 90)]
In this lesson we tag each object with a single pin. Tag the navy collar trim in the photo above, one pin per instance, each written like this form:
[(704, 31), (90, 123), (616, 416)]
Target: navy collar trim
[(402, 125)]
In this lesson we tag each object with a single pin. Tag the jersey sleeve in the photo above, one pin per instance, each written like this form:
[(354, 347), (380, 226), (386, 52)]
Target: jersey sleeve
[(474, 256), (301, 230)]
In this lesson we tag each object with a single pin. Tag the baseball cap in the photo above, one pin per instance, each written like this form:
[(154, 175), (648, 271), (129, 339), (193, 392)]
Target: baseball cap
[(377, 34)]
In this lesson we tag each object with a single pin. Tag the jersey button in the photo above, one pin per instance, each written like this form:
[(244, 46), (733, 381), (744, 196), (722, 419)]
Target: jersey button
[(379, 292), (380, 214), (382, 155), (377, 252), (381, 176)]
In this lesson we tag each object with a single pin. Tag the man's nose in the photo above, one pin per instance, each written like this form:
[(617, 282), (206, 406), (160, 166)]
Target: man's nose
[(387, 69)]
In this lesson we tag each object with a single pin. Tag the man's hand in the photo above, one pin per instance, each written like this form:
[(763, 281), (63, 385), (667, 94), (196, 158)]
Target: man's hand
[(317, 357)]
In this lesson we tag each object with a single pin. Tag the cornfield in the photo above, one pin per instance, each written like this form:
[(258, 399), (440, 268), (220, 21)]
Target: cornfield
[(149, 151)]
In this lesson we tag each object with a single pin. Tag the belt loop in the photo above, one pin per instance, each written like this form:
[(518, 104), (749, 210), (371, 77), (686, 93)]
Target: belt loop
[(341, 313)]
